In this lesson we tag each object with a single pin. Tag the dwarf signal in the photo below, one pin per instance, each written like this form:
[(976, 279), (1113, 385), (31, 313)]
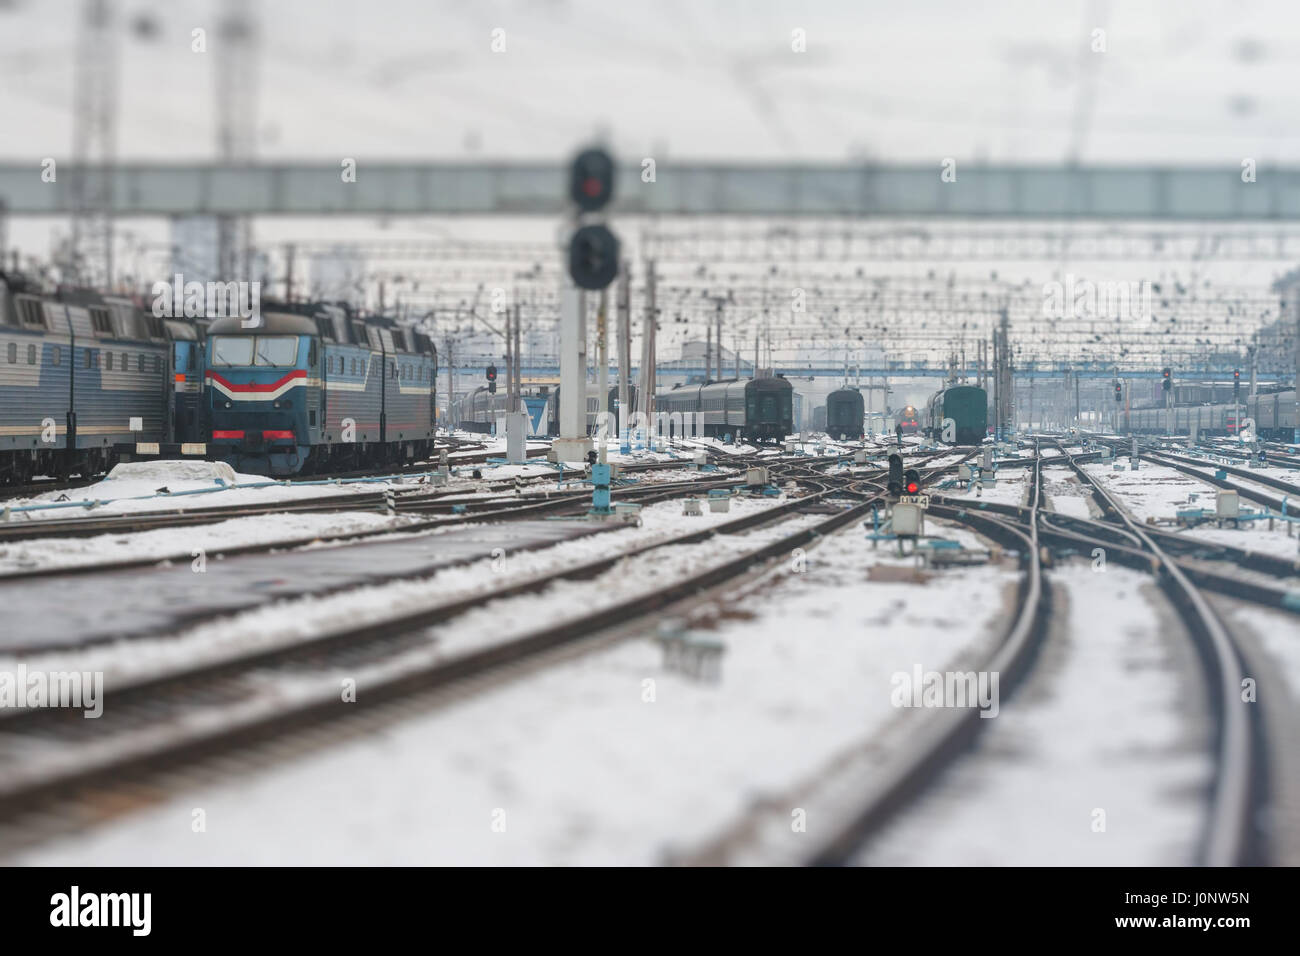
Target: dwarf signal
[(896, 479)]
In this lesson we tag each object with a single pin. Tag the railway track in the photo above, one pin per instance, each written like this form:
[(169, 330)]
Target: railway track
[(875, 795), (1196, 557), (463, 450), (1194, 468), (408, 499), (1231, 835), (174, 718), (233, 586), (164, 722), (869, 797), (413, 500)]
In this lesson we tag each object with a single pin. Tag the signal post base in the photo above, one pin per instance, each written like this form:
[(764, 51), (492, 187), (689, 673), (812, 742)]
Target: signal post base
[(516, 437), (570, 449)]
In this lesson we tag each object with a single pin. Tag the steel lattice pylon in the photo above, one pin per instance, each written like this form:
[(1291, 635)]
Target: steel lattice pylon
[(94, 145)]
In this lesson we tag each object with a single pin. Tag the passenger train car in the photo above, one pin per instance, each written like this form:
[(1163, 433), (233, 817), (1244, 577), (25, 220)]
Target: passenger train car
[(480, 410), (967, 406), (1274, 416), (316, 386), (593, 410), (87, 379), (753, 410), (844, 408)]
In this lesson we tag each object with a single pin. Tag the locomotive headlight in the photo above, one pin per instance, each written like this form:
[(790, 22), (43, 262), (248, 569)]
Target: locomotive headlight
[(227, 404)]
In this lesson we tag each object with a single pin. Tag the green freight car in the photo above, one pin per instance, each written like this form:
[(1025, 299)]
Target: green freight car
[(967, 406), (844, 414)]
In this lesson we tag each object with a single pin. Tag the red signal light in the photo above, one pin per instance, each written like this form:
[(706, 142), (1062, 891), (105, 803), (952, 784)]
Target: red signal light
[(913, 487), (592, 186)]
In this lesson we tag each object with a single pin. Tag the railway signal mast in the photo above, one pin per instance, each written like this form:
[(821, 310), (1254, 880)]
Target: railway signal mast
[(1236, 402), (895, 480), (593, 263), (1166, 383)]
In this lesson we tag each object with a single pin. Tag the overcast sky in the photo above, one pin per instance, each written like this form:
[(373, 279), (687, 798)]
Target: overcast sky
[(1181, 80)]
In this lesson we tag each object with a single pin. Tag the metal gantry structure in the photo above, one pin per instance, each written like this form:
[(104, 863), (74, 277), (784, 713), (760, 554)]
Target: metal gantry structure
[(980, 191), (236, 89), (818, 315), (89, 254)]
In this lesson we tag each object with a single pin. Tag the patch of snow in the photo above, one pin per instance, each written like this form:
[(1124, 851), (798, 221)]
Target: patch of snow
[(180, 543), (1277, 633), (574, 760), (290, 621), (1106, 730), (164, 471)]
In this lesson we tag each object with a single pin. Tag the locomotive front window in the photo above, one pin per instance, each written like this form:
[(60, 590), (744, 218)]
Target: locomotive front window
[(232, 350), (277, 350)]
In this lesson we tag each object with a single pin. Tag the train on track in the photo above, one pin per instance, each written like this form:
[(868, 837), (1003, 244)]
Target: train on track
[(752, 410), (1274, 418), (87, 379), (844, 414), (593, 410), (968, 408), (315, 387), (909, 420), (481, 409)]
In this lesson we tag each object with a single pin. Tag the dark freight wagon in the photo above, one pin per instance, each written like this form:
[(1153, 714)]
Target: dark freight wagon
[(844, 408), (967, 406)]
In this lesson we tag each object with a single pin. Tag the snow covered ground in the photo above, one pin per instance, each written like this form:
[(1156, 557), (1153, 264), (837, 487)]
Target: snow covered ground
[(613, 758), (138, 487), (1009, 489), (1064, 493), (586, 762), (290, 621), (1104, 736), (1289, 475), (181, 543), (1277, 632), (1157, 491)]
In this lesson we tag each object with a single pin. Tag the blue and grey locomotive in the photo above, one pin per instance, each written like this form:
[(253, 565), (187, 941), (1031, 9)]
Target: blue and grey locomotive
[(314, 387), (85, 379)]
